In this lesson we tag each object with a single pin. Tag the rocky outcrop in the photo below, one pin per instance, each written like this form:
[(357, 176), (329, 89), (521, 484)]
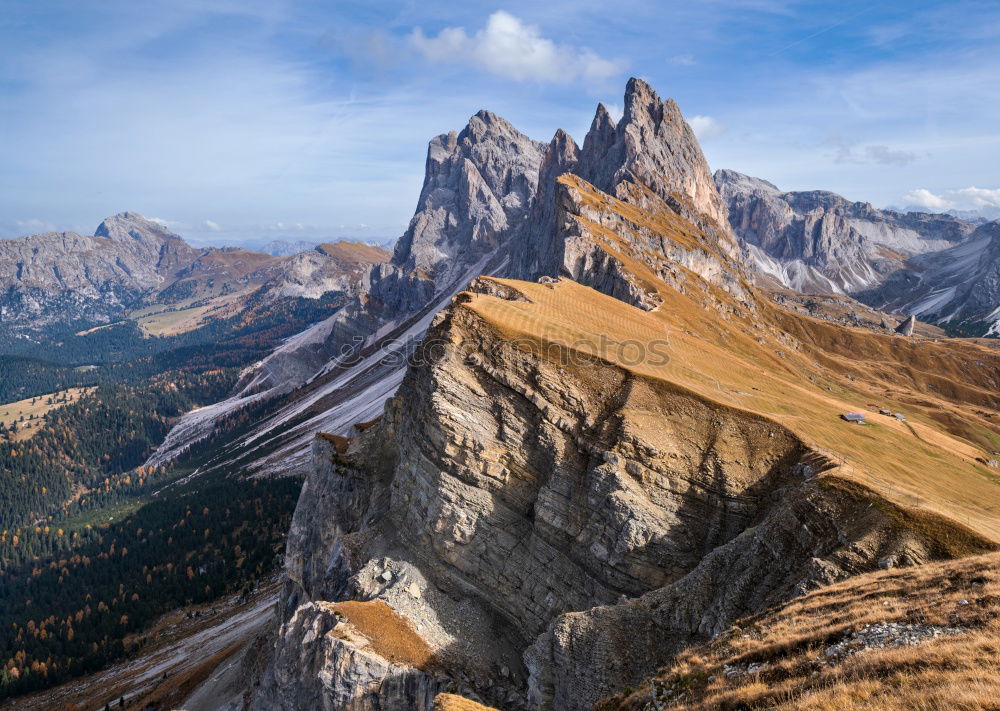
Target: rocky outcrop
[(324, 660), (477, 183), (594, 544), (555, 521), (654, 146), (62, 276), (650, 160), (906, 327)]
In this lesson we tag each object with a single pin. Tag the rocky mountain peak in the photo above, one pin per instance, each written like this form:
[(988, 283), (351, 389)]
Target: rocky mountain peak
[(476, 183), (641, 99), (652, 145), (128, 226)]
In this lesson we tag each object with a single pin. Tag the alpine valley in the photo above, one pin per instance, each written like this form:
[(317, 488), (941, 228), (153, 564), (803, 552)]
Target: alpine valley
[(603, 431)]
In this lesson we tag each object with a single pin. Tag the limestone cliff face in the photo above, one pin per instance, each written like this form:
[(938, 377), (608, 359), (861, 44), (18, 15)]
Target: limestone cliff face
[(938, 266), (478, 184), (959, 286), (595, 520), (650, 162), (652, 145), (818, 241)]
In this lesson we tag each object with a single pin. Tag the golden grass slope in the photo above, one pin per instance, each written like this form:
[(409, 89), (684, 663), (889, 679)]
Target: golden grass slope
[(792, 670), (389, 635), (451, 702), (354, 253), (800, 372)]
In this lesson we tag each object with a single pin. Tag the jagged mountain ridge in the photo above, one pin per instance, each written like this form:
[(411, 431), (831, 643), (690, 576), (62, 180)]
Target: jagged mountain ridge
[(937, 266), (477, 213), (530, 473), (479, 184), (131, 262)]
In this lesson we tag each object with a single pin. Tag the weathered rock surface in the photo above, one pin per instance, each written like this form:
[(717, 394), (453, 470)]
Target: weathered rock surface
[(478, 183), (957, 287), (651, 160), (651, 145), (323, 661), (59, 276), (555, 528)]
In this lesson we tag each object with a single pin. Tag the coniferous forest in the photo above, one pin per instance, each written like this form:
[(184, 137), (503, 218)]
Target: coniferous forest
[(93, 544)]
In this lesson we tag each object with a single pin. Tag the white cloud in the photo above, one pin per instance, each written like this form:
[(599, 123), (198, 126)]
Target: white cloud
[(214, 226), (706, 127), (888, 156), (683, 60), (922, 197), (984, 201), (981, 197), (165, 223), (510, 48)]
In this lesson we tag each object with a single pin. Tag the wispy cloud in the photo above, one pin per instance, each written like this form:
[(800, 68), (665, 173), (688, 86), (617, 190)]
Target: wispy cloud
[(706, 127), (884, 155), (511, 48), (971, 198), (849, 151)]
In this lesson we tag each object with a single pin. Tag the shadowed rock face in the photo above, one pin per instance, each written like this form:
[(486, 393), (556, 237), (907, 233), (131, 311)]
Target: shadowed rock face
[(597, 521)]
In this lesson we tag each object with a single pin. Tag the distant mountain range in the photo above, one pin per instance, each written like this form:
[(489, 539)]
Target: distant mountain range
[(131, 262), (940, 267)]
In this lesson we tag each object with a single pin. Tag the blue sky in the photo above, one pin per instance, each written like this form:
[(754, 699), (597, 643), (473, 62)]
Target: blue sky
[(242, 119)]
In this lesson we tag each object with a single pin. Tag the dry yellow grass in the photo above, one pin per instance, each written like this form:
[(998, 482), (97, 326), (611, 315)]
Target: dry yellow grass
[(354, 253), (159, 320), (390, 636), (13, 412), (799, 372), (947, 672), (918, 463), (450, 702)]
